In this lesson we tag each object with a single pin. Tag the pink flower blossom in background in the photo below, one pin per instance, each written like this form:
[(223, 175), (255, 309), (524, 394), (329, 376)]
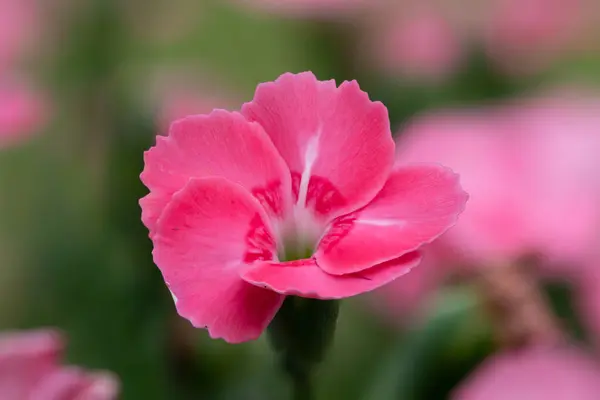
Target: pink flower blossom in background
[(534, 374), (559, 141), (297, 195), (524, 34), (22, 112), (527, 166), (533, 176), (19, 20), (477, 145), (30, 370), (180, 104), (175, 93), (22, 109), (407, 296), (421, 45)]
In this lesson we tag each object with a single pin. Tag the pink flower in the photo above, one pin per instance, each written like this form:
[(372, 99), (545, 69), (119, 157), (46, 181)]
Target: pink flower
[(18, 24), (30, 370), (22, 112), (532, 30), (297, 195), (423, 45), (475, 144), (533, 177), (177, 93), (559, 142), (534, 374), (180, 104), (405, 297), (526, 166)]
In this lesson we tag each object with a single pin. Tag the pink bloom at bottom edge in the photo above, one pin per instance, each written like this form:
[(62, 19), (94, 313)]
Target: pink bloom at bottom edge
[(296, 195), (534, 374), (30, 370)]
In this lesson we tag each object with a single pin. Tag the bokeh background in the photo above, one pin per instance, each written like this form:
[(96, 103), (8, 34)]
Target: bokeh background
[(505, 306)]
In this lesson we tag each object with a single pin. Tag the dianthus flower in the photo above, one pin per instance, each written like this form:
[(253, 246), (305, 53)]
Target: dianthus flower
[(30, 369), (22, 112), (296, 195), (533, 373)]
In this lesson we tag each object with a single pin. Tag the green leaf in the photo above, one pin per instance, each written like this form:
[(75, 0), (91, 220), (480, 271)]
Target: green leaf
[(450, 342)]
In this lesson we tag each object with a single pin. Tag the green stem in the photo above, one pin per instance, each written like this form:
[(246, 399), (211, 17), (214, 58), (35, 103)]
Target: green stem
[(302, 389), (301, 333), (301, 382)]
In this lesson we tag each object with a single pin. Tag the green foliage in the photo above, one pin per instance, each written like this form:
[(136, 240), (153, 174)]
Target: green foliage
[(447, 345)]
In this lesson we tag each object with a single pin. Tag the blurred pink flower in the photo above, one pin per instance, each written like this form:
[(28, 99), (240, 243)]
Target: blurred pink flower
[(526, 166), (182, 103), (476, 144), (18, 25), (534, 374), (559, 141), (30, 369), (407, 295), (422, 45), (22, 112), (533, 176), (523, 34), (297, 194), (175, 93)]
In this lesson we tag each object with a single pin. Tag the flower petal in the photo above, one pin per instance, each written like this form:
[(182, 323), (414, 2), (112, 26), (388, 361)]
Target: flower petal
[(408, 296), (478, 145), (533, 373), (417, 204), (208, 233), (25, 358), (102, 386), (23, 111), (336, 142), (305, 278), (64, 383), (220, 144)]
